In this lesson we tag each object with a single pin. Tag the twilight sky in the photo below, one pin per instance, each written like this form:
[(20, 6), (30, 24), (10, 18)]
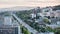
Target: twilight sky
[(29, 3)]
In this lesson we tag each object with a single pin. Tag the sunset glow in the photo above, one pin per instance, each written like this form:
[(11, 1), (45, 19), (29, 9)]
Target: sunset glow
[(29, 3)]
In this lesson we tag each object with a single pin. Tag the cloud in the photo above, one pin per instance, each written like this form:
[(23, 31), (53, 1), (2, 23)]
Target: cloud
[(41, 3), (28, 1)]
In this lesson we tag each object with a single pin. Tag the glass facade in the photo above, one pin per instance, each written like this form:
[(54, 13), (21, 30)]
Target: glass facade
[(9, 30)]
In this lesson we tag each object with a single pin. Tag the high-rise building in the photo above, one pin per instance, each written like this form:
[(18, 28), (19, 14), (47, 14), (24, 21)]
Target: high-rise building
[(8, 26)]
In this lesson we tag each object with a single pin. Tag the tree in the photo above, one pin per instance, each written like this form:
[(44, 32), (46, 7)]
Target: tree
[(57, 32), (50, 29), (48, 17), (46, 20), (25, 30)]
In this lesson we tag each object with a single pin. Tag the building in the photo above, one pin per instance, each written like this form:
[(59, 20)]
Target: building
[(58, 22), (57, 13), (9, 25), (46, 11), (33, 15), (47, 33), (1, 20), (7, 20), (52, 14)]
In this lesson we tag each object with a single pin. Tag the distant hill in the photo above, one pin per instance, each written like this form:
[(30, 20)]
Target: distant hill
[(56, 7), (17, 8)]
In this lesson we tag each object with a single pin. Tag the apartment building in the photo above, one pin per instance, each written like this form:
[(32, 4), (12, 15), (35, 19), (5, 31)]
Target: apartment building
[(8, 26)]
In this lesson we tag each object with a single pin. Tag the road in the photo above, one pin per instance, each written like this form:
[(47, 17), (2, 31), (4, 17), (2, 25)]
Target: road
[(26, 25)]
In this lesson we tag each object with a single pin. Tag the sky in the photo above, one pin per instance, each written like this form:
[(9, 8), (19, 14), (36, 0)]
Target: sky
[(28, 3)]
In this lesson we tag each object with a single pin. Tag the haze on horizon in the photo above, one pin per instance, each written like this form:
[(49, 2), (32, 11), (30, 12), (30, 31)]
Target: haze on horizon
[(29, 3)]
